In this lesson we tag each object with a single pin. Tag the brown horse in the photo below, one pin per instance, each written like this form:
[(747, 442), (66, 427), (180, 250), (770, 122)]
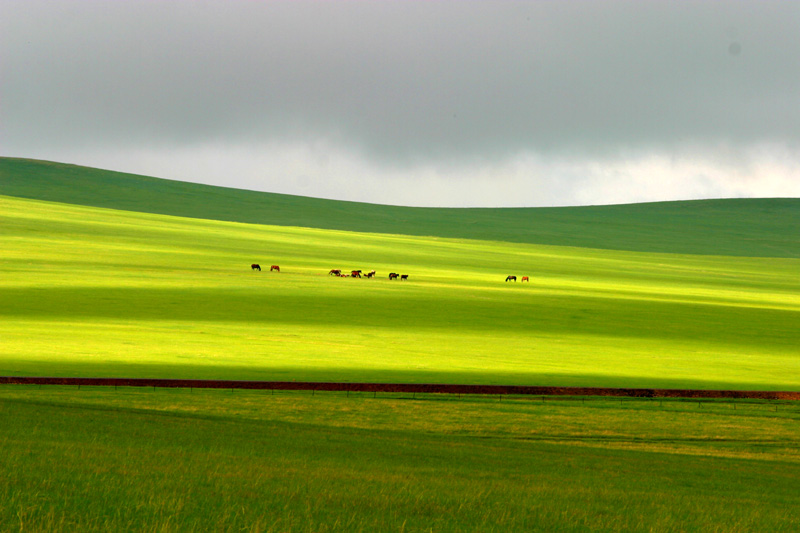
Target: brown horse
[(370, 274), (255, 266), (403, 277), (335, 272), (511, 278), (355, 274), (274, 267), (525, 278), (392, 275)]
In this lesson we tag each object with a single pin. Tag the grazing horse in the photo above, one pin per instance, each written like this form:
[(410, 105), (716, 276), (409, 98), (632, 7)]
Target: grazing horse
[(371, 274), (404, 277), (392, 275), (525, 278), (274, 267), (355, 274), (511, 278), (335, 272), (255, 266)]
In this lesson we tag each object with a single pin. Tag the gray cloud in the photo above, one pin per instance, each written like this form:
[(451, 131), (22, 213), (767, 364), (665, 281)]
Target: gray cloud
[(403, 85)]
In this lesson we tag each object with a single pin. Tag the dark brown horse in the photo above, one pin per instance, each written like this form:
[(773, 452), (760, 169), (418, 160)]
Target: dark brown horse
[(392, 275), (256, 266), (274, 267), (403, 277), (335, 272), (511, 278), (355, 274)]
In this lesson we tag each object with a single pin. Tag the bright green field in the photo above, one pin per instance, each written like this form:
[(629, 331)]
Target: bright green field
[(177, 460), (94, 292)]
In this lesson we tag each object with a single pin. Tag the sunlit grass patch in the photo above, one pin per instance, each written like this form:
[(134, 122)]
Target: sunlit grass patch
[(106, 293)]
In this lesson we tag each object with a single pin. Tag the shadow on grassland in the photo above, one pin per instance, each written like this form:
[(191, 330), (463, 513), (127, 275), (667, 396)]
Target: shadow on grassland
[(538, 313)]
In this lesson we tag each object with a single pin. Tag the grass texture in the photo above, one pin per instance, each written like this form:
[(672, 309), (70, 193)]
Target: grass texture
[(673, 295), (175, 460), (97, 292), (736, 227)]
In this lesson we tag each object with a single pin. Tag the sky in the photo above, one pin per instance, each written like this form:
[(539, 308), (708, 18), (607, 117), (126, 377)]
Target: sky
[(419, 103)]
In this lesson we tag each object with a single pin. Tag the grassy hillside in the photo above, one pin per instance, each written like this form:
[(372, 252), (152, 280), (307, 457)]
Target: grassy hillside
[(745, 227), (144, 460), (96, 292)]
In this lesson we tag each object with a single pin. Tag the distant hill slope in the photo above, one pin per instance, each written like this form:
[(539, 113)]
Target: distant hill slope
[(739, 227)]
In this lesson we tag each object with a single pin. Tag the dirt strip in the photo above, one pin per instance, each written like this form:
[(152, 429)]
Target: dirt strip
[(402, 387)]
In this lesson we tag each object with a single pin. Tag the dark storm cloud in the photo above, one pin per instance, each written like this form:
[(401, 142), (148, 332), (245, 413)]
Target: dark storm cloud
[(423, 103), (405, 80)]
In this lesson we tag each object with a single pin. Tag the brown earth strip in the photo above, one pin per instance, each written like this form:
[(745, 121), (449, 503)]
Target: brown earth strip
[(403, 388)]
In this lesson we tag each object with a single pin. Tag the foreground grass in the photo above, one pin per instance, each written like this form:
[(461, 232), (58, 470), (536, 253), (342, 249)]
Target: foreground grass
[(94, 292), (99, 460)]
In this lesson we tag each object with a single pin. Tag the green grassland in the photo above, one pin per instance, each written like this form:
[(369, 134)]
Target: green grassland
[(180, 460), (737, 227), (99, 277), (98, 292)]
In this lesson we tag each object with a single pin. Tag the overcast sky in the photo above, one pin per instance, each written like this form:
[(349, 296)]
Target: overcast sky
[(414, 103)]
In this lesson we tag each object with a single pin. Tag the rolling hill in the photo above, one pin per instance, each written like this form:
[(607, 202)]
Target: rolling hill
[(98, 280), (734, 227)]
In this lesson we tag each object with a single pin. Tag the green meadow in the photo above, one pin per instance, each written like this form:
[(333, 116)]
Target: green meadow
[(105, 274), (98, 292), (736, 227), (204, 460)]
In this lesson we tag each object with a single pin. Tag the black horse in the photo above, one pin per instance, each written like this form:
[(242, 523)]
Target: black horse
[(403, 277), (256, 266)]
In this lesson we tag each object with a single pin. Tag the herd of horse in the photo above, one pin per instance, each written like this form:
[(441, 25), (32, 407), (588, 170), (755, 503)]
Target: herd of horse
[(338, 272), (371, 274), (357, 274)]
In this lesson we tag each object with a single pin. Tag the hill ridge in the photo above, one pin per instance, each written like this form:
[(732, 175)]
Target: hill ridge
[(737, 227)]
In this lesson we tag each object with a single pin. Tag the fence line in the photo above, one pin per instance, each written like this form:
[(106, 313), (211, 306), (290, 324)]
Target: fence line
[(502, 390)]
